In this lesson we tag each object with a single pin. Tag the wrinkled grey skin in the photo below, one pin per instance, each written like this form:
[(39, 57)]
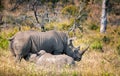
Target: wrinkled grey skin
[(47, 59), (54, 42)]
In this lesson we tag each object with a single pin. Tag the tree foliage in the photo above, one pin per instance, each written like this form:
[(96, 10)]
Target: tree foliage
[(70, 10), (1, 5)]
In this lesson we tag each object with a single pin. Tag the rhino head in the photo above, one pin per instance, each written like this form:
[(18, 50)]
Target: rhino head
[(75, 52), (78, 54)]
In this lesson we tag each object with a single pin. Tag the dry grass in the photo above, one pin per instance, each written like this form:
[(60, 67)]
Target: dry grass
[(92, 64)]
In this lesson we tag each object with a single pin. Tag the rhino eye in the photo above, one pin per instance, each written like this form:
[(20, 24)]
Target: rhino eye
[(76, 51)]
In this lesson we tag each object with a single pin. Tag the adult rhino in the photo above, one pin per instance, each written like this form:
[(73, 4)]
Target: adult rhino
[(54, 42), (48, 60)]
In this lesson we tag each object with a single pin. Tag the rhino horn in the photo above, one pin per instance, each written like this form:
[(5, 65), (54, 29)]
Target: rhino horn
[(82, 52)]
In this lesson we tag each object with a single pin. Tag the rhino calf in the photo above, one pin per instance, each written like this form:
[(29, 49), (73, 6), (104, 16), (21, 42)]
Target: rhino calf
[(47, 60)]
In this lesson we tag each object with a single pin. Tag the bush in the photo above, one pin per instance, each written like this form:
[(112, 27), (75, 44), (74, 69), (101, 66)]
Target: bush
[(63, 26), (49, 26), (93, 26), (107, 74), (3, 43), (9, 19), (57, 26), (4, 37), (118, 49), (1, 7), (70, 10), (106, 39), (96, 45)]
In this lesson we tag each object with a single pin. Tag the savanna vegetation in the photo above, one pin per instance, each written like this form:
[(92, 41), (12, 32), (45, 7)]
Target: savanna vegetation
[(101, 59)]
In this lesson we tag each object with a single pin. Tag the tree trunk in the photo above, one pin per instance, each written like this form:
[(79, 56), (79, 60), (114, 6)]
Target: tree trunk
[(104, 16)]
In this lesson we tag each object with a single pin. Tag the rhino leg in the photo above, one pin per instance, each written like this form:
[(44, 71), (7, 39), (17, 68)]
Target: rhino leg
[(18, 58), (26, 57)]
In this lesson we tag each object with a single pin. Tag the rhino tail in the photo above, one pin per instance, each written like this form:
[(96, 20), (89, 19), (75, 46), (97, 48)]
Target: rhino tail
[(10, 39), (11, 46)]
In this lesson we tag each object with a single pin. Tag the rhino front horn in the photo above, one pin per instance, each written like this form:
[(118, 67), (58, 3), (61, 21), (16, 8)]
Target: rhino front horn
[(82, 52)]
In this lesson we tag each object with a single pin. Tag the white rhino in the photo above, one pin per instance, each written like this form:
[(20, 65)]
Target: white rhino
[(46, 59), (54, 42)]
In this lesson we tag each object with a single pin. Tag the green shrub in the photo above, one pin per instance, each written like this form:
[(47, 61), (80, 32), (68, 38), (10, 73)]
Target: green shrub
[(49, 26), (57, 26), (119, 33), (9, 19), (93, 26), (1, 7), (74, 74), (107, 74), (118, 49), (3, 43), (63, 26), (96, 45), (71, 34), (4, 35), (70, 10), (106, 39)]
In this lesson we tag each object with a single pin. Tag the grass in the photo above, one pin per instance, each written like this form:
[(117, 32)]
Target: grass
[(92, 64), (97, 45)]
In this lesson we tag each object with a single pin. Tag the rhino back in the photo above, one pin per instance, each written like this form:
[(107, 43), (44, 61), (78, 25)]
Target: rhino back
[(41, 41), (49, 41)]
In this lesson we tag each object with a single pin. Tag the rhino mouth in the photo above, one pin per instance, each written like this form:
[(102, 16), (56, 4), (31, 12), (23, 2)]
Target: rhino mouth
[(77, 59)]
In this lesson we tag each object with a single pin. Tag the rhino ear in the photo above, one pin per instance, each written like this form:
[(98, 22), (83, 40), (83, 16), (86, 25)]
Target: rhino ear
[(70, 40)]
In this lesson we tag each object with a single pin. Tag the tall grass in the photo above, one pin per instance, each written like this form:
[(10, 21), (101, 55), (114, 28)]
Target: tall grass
[(92, 64)]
